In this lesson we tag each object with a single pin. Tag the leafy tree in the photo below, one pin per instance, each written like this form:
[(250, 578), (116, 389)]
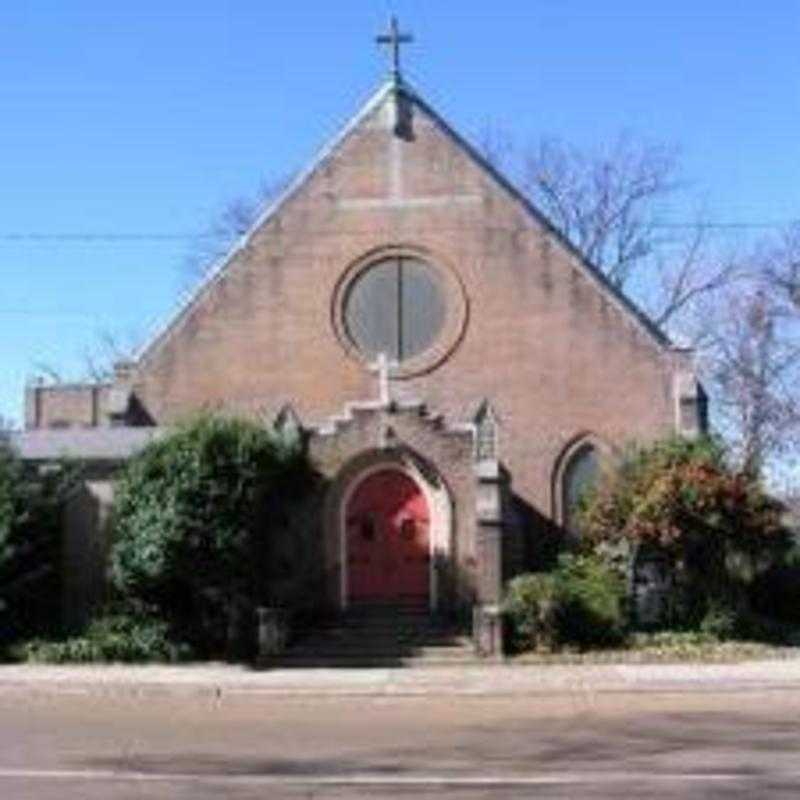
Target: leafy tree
[(31, 504), (716, 525), (197, 516)]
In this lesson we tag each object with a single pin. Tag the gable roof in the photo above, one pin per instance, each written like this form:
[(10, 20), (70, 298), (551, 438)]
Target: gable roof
[(616, 296)]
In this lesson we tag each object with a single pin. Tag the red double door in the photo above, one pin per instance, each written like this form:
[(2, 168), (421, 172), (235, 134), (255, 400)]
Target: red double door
[(388, 540)]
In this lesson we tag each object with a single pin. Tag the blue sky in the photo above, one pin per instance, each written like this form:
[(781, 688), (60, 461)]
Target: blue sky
[(144, 118)]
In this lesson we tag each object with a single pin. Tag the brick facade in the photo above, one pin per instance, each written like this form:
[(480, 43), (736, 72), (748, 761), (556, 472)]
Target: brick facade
[(529, 326)]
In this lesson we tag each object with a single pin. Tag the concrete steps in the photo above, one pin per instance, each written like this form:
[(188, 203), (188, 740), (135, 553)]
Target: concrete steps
[(375, 636)]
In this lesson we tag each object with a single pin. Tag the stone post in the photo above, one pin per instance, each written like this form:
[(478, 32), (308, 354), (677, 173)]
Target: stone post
[(487, 627), (120, 394), (33, 405), (272, 631), (691, 402)]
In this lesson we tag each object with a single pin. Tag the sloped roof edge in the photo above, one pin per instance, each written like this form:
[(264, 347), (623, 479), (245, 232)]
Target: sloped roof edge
[(217, 269), (270, 209), (519, 196)]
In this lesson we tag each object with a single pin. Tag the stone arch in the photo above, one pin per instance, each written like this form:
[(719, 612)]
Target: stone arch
[(440, 506)]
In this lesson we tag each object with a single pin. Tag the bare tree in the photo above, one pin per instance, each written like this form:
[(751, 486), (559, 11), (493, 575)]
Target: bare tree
[(496, 145), (608, 203), (681, 278), (99, 359), (604, 202), (47, 373), (231, 223), (754, 364), (782, 269), (741, 311), (109, 349)]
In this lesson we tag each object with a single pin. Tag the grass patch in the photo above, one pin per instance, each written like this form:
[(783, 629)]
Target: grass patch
[(670, 647), (109, 639)]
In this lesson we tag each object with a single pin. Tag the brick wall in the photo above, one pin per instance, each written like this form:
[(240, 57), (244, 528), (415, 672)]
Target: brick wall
[(555, 354), (529, 327), (66, 405)]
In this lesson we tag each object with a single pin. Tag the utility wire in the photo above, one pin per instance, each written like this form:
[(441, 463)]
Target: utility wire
[(90, 237)]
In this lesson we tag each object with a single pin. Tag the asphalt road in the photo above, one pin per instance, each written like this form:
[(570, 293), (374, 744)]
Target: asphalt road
[(730, 744)]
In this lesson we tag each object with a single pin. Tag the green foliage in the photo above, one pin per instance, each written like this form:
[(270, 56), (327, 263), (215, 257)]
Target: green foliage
[(716, 525), (697, 646), (720, 621), (591, 601), (12, 509), (31, 504), (660, 494), (110, 638), (579, 603), (530, 607), (196, 519)]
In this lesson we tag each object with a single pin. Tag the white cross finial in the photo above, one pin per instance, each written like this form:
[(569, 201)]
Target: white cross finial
[(382, 367)]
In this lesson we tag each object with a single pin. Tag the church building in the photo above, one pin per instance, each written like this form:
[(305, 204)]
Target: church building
[(455, 366)]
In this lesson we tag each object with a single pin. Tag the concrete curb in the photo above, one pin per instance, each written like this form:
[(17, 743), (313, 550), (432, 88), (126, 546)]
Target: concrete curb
[(216, 681)]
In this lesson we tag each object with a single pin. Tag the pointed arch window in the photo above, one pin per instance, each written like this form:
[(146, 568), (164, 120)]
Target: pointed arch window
[(578, 477)]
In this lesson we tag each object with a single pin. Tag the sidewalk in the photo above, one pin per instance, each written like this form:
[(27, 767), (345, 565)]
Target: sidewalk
[(215, 680)]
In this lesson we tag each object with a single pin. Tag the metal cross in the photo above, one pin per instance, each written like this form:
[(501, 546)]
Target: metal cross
[(394, 39)]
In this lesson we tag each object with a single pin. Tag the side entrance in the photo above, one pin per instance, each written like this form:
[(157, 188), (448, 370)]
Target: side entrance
[(387, 541)]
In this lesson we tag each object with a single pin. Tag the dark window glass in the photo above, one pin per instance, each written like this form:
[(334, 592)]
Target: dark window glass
[(579, 477), (368, 529), (394, 307)]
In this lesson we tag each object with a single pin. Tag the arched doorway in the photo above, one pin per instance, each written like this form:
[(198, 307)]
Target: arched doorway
[(387, 540)]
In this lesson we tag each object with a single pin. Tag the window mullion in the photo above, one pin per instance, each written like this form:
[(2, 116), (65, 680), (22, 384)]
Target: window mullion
[(399, 309)]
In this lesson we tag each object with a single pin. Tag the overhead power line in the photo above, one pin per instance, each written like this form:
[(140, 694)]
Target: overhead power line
[(39, 236), (146, 236)]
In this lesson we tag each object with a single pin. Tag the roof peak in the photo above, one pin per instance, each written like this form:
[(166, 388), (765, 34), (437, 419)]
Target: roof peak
[(390, 88)]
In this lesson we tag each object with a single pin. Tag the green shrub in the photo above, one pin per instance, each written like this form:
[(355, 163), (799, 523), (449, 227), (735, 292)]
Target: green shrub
[(197, 520), (591, 601), (720, 622), (111, 638), (681, 497), (530, 609), (580, 603), (31, 506)]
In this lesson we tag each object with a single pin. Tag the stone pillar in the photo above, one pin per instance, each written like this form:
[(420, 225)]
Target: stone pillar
[(121, 393), (691, 401), (33, 405), (273, 631), (487, 619)]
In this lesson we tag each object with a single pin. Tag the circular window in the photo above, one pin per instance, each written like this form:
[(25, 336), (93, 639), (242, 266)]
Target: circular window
[(396, 307)]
